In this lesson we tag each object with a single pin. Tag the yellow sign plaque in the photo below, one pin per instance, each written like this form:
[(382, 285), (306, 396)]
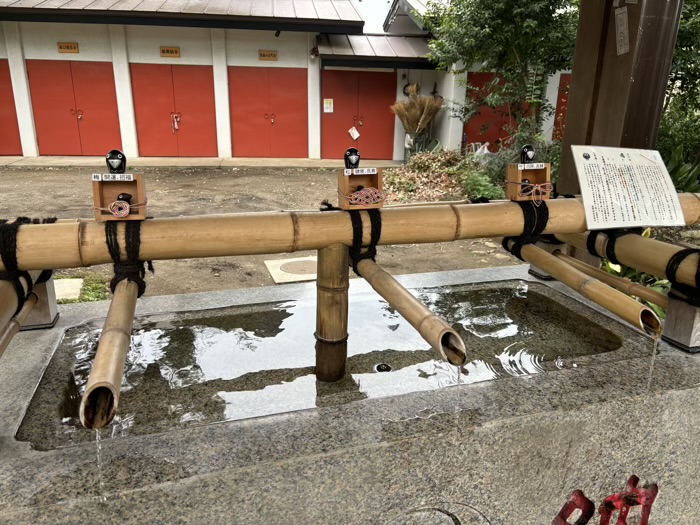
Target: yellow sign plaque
[(269, 55), (170, 52), (68, 47)]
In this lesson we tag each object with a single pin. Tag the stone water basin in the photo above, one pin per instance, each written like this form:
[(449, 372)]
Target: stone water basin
[(242, 362)]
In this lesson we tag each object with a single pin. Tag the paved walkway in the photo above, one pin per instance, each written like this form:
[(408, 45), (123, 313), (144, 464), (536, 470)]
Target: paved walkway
[(187, 162)]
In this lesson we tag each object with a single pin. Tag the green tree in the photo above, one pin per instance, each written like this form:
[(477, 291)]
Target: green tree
[(523, 42)]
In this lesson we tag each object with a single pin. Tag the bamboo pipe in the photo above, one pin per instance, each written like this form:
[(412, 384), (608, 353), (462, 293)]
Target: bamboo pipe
[(616, 302), (15, 324), (332, 313), (82, 243), (644, 254), (619, 283), (434, 330), (8, 304), (101, 397)]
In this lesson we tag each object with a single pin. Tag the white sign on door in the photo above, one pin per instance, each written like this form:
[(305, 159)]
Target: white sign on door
[(328, 105)]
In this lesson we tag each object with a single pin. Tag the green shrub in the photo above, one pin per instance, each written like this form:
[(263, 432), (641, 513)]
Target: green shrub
[(679, 128), (685, 176)]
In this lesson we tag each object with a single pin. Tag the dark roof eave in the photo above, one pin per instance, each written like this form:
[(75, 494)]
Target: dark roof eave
[(377, 62), (82, 16)]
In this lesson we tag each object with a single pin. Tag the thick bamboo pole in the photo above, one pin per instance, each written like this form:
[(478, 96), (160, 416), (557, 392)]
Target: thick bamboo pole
[(434, 330), (332, 312), (8, 305), (624, 285), (82, 243), (15, 324), (644, 254), (101, 397), (616, 302)]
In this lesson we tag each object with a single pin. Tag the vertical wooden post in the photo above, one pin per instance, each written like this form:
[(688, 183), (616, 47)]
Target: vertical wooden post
[(332, 312)]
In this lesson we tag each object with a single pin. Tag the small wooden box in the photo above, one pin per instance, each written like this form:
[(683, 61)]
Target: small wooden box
[(106, 187), (350, 179), (536, 173)]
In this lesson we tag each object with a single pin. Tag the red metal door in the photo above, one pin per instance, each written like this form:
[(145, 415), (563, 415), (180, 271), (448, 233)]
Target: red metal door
[(375, 121), (342, 88), (289, 113), (490, 125), (194, 104), (9, 129), (250, 111), (154, 105), (96, 106), (53, 104)]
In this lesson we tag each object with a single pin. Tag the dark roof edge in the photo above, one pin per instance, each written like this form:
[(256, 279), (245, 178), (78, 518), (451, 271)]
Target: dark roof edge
[(82, 16), (377, 62)]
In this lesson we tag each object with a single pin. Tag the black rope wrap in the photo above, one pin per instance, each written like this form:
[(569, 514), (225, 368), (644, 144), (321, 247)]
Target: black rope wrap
[(133, 269), (690, 294), (613, 236), (356, 253), (535, 219), (8, 255)]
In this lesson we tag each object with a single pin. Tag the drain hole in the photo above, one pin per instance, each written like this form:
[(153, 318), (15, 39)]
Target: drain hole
[(382, 367)]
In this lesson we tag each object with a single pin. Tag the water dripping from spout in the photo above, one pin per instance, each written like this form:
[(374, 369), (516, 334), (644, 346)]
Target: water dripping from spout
[(102, 496), (655, 349)]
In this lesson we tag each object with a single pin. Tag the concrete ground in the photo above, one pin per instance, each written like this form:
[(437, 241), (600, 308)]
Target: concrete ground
[(499, 452)]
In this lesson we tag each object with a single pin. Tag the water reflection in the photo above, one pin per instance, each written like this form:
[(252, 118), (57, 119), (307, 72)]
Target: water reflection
[(248, 362)]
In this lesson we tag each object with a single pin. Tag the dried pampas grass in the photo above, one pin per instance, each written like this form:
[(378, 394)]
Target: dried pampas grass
[(418, 111)]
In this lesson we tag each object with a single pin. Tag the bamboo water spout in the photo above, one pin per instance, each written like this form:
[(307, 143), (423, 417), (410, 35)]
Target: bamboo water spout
[(624, 285), (101, 397), (434, 330), (616, 302), (80, 244), (17, 321), (643, 254)]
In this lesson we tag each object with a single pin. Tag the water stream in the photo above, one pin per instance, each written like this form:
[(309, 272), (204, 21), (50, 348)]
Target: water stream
[(101, 494)]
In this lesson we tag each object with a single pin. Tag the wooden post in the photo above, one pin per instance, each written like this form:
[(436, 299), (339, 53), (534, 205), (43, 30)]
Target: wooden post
[(332, 312), (101, 398)]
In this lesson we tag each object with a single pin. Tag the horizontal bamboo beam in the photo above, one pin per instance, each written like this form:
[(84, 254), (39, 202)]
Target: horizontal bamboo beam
[(624, 285), (101, 397), (439, 335), (641, 253), (15, 324), (82, 243), (616, 302)]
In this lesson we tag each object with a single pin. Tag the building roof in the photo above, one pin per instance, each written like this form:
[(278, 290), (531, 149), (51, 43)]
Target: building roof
[(413, 9), (374, 50), (288, 15)]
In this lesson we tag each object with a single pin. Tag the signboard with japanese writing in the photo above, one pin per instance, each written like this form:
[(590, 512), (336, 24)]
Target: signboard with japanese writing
[(624, 188), (68, 47), (170, 51), (269, 55), (112, 177)]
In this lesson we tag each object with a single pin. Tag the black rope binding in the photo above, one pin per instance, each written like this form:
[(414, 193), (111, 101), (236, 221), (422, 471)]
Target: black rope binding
[(356, 253), (613, 236), (8, 255), (133, 269), (688, 293), (535, 219)]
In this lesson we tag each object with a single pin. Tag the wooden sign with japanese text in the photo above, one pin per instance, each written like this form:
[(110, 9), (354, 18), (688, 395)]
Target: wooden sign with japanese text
[(68, 47), (170, 51), (269, 55)]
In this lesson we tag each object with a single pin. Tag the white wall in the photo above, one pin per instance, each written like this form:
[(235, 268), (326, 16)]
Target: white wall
[(39, 41), (3, 48), (314, 102), (242, 48), (144, 43)]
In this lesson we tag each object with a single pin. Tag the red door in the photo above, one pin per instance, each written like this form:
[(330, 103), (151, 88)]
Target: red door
[(360, 99), (9, 130), (269, 112), (250, 111), (75, 107), (154, 105), (377, 92), (53, 104), (96, 106), (194, 102), (342, 87), (490, 125), (175, 113), (289, 113)]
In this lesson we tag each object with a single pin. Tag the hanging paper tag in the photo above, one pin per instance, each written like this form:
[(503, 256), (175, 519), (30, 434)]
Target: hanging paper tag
[(354, 133), (624, 188)]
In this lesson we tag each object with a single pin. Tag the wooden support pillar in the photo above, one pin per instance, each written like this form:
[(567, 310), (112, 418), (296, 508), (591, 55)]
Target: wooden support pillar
[(332, 312), (619, 77)]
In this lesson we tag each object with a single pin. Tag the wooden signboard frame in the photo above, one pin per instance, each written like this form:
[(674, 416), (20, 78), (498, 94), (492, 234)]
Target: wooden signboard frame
[(105, 192), (349, 181)]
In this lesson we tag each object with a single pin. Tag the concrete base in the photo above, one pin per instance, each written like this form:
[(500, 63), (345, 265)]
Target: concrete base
[(506, 451), (682, 326), (45, 312)]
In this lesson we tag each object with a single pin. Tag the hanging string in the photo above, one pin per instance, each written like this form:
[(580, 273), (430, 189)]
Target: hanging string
[(537, 192), (133, 269)]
